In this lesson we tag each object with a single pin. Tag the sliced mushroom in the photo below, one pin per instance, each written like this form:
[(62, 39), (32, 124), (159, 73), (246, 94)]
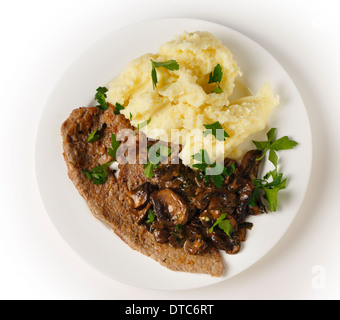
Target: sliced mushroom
[(223, 201), (245, 195), (229, 163), (195, 244), (161, 235), (170, 206), (160, 231), (241, 232), (177, 239), (140, 195), (203, 197), (224, 242), (247, 171), (141, 214), (249, 165)]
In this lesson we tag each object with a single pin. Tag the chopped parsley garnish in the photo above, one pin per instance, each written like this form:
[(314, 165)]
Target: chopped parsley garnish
[(272, 181), (170, 65), (94, 136), (100, 98), (112, 152), (231, 169), (216, 77), (143, 124), (149, 168), (205, 164), (98, 174), (218, 89), (118, 108), (223, 224), (151, 216), (130, 116), (269, 188), (156, 154), (212, 129), (178, 228), (274, 145)]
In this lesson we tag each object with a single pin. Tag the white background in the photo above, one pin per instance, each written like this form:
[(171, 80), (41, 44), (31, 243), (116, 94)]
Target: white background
[(40, 39)]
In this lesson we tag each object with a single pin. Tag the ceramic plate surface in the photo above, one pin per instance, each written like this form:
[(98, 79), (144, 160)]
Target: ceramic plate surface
[(97, 66)]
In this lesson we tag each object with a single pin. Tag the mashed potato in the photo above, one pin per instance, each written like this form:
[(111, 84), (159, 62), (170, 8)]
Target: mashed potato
[(183, 100)]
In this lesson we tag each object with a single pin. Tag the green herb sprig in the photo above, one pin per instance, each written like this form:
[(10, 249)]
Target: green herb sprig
[(118, 109), (170, 65), (98, 174), (270, 188), (223, 224), (156, 154), (272, 182), (151, 216), (212, 129), (100, 97), (143, 124), (204, 163), (94, 136), (112, 152), (216, 77), (272, 145)]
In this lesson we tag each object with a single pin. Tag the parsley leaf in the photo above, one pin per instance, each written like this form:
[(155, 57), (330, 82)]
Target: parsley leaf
[(98, 174), (156, 154), (231, 169), (149, 167), (218, 179), (216, 77), (143, 124), (270, 188), (218, 89), (112, 152), (170, 65), (212, 129), (100, 98), (223, 224), (203, 158), (205, 164), (94, 136), (151, 216), (273, 145), (118, 108)]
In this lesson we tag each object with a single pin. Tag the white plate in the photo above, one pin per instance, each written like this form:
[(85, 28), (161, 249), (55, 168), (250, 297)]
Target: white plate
[(97, 66)]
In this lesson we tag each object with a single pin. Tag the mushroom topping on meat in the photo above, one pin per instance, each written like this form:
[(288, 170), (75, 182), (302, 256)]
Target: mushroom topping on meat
[(140, 195), (190, 212), (223, 242), (139, 199), (249, 166), (203, 197), (195, 244), (223, 200), (169, 205)]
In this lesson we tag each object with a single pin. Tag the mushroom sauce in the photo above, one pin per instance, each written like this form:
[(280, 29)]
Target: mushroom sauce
[(183, 209)]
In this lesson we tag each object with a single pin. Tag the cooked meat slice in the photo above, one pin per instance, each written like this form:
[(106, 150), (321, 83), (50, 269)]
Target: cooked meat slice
[(108, 201)]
